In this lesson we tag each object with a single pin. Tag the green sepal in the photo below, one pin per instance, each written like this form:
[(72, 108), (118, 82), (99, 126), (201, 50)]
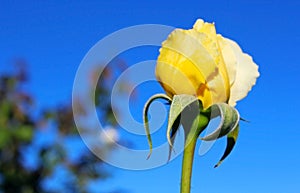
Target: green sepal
[(231, 140), (145, 117), (179, 103), (174, 130), (230, 118)]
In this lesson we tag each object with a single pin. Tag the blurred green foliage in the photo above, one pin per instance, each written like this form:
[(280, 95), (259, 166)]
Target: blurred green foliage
[(20, 126)]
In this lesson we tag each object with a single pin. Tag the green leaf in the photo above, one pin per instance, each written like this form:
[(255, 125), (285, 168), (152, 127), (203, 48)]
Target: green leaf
[(5, 137), (179, 103), (5, 110), (145, 117), (231, 140), (230, 118), (24, 133)]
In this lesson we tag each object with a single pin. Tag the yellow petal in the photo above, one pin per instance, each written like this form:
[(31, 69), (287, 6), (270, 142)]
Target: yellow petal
[(177, 73), (246, 74), (211, 43), (196, 56), (229, 58)]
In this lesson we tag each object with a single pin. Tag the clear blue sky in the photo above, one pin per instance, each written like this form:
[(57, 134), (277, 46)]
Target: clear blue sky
[(54, 36)]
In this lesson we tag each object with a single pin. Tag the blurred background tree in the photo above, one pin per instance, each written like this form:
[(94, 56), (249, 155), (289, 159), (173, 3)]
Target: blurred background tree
[(42, 151)]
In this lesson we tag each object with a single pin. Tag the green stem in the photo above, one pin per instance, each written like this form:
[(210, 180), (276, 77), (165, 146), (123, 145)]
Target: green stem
[(187, 166), (197, 127)]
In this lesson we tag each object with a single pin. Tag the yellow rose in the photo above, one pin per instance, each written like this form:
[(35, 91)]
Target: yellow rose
[(202, 63)]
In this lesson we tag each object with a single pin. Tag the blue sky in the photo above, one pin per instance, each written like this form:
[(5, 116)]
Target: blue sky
[(54, 36)]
